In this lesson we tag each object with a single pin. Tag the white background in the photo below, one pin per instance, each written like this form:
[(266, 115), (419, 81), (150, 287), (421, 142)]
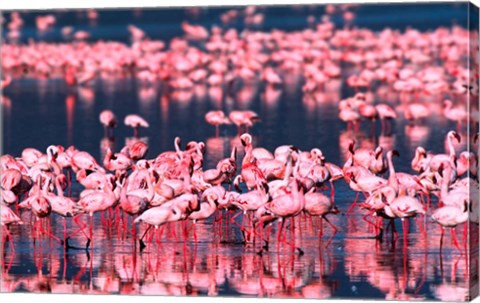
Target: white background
[(46, 4)]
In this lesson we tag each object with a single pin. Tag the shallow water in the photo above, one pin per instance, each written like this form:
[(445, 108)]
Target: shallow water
[(345, 265)]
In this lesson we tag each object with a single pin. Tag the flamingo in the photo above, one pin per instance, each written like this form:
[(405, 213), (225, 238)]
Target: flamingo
[(216, 118), (248, 202), (135, 121), (61, 205), (360, 156), (83, 160), (457, 114), (404, 206), (416, 111), (10, 178), (451, 216), (250, 173), (116, 162), (108, 120), (385, 113), (363, 182), (157, 216), (318, 204), (420, 160), (243, 118), (207, 209), (97, 201), (136, 151), (31, 156), (438, 159), (288, 206), (7, 218)]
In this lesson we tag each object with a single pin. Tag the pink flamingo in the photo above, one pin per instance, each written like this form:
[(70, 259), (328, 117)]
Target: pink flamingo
[(366, 157), (318, 204), (135, 151), (195, 32), (108, 120), (7, 218), (227, 166), (216, 118), (136, 33), (95, 202), (250, 173), (457, 114), (10, 179), (61, 205), (135, 121), (244, 118), (116, 162), (451, 216), (349, 116), (135, 201), (271, 77), (288, 206), (420, 160), (364, 182), (157, 216), (438, 159), (250, 202), (385, 113), (36, 201), (336, 173), (368, 111), (83, 160), (31, 156), (416, 111), (404, 206), (207, 209)]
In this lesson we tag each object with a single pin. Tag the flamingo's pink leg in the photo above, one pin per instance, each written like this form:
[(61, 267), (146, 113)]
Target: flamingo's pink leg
[(353, 204)]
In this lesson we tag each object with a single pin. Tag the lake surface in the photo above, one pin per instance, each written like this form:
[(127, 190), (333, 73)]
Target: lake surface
[(349, 264)]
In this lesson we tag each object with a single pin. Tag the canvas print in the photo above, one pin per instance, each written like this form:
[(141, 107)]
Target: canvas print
[(297, 151)]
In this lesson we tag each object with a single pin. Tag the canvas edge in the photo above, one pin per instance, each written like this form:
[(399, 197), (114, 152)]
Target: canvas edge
[(472, 131)]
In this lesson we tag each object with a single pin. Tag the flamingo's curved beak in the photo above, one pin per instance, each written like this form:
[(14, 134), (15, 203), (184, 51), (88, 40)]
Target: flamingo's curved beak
[(457, 136), (335, 210), (395, 153), (351, 146)]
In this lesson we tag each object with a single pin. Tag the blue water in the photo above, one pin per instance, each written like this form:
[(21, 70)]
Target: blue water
[(45, 112)]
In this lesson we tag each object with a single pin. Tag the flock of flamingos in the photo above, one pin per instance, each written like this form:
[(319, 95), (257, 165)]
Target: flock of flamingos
[(254, 189)]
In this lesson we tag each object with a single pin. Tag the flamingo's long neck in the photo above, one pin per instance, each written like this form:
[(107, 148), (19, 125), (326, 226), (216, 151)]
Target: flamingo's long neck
[(177, 147), (418, 157), (248, 154), (451, 148), (107, 188), (233, 155), (106, 160), (296, 168), (187, 178), (123, 191), (445, 183), (211, 202), (392, 179), (43, 189), (150, 189), (349, 162), (298, 196), (288, 169), (53, 164), (59, 188)]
